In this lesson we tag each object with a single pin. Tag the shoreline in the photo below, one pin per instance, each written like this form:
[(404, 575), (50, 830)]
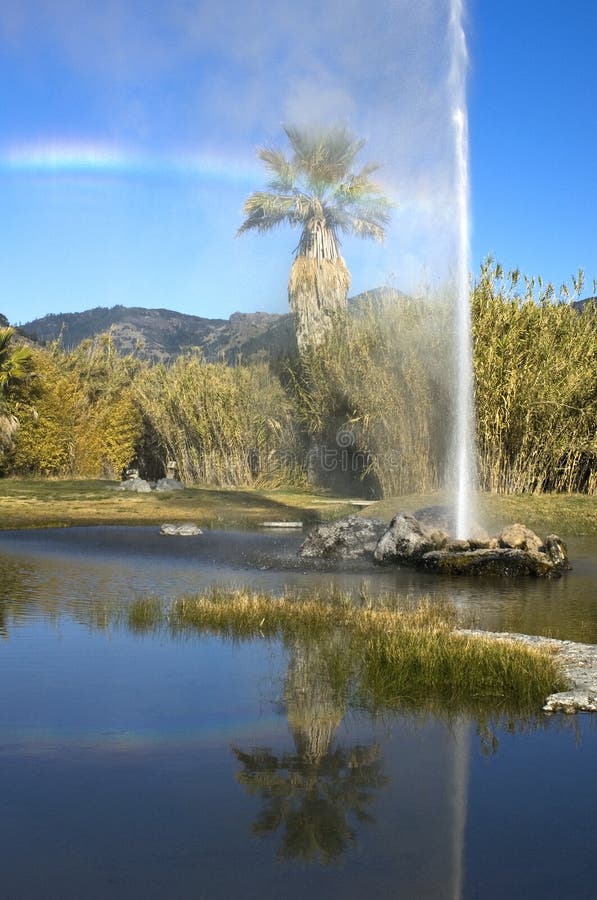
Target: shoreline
[(579, 664)]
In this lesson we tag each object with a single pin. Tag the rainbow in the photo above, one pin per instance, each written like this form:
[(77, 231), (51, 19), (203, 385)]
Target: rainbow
[(96, 158)]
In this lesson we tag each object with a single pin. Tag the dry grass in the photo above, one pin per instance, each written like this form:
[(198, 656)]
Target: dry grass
[(566, 514), (41, 503), (394, 657)]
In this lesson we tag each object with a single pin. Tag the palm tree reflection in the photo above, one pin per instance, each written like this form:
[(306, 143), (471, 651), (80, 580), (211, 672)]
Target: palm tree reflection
[(316, 795)]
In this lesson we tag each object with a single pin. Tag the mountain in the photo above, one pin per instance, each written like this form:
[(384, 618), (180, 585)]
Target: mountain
[(580, 305), (161, 334)]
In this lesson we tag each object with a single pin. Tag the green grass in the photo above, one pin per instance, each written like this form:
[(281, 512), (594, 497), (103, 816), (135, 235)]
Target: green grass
[(564, 514), (394, 657)]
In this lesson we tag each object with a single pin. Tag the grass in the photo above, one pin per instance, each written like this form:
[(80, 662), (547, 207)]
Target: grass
[(43, 502), (39, 502), (564, 514), (394, 657)]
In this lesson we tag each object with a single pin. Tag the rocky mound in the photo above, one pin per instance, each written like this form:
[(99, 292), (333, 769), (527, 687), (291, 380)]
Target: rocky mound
[(423, 541)]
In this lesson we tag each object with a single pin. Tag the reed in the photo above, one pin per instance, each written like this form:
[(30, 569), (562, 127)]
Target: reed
[(536, 386), (83, 421), (222, 425), (381, 378)]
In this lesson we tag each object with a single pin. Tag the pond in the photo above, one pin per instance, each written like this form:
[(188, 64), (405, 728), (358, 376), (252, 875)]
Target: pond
[(158, 764)]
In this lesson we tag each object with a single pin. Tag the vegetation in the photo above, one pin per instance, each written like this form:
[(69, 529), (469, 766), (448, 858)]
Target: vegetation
[(366, 412), (536, 386), (39, 502), (17, 371), (85, 421), (317, 191), (393, 657), (375, 396), (569, 514), (221, 425)]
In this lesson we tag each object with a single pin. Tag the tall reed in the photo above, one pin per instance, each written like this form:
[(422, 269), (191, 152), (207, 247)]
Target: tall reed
[(376, 393), (222, 425), (536, 386)]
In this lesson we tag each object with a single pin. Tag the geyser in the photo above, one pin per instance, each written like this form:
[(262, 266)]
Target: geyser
[(464, 449)]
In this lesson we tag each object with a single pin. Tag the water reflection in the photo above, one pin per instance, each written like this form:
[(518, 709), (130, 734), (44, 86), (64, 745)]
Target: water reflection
[(313, 795)]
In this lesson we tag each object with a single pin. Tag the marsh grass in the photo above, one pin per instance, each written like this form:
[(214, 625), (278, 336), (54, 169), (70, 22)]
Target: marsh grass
[(392, 657), (144, 615)]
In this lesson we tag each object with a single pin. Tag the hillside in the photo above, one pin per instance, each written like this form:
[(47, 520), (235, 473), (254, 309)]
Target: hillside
[(161, 334)]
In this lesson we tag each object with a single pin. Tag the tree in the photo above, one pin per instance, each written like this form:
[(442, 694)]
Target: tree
[(317, 191), (16, 370)]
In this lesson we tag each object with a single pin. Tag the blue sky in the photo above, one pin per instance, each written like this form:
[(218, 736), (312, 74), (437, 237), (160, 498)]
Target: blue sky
[(129, 129)]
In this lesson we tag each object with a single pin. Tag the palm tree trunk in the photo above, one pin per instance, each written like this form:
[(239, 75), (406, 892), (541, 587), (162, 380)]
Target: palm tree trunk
[(317, 294)]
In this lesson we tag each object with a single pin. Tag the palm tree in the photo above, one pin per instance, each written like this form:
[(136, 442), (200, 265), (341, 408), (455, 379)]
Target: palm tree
[(16, 367), (317, 191)]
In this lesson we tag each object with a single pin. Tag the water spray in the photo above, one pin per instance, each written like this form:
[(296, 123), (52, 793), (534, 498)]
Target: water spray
[(464, 450)]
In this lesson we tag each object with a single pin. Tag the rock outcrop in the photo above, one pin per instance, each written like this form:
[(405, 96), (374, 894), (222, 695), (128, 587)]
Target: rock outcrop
[(169, 484), (404, 542), (139, 485), (353, 537), (487, 562), (422, 541)]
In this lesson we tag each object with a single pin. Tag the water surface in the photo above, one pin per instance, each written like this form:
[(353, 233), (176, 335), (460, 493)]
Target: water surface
[(151, 765)]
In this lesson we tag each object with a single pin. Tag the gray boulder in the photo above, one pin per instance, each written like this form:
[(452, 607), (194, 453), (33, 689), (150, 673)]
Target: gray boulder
[(519, 537), (438, 521), (557, 552), (435, 518), (404, 542), (353, 537), (139, 485), (169, 484)]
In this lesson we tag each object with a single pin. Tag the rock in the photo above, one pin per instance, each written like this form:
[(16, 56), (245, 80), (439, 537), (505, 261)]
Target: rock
[(457, 546), (169, 484), (519, 537), (435, 518), (439, 538), (501, 561), (557, 552), (135, 484), (186, 529), (517, 551), (354, 537), (404, 542), (479, 538)]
